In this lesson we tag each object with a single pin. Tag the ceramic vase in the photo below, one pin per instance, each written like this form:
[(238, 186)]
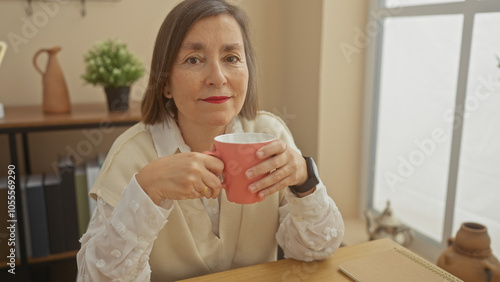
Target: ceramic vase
[(55, 91), (469, 256), (117, 98)]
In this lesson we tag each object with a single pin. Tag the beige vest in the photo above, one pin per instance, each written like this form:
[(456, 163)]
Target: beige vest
[(186, 246)]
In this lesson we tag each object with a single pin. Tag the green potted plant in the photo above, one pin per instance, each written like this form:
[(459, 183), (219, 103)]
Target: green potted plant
[(111, 65)]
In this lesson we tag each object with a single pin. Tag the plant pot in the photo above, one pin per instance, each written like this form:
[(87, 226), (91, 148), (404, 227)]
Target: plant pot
[(469, 255), (117, 98)]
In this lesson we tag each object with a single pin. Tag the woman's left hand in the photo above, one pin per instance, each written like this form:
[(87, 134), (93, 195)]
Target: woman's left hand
[(284, 168)]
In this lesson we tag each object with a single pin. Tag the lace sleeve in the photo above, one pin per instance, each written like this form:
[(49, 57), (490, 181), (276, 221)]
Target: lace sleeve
[(311, 228), (118, 241)]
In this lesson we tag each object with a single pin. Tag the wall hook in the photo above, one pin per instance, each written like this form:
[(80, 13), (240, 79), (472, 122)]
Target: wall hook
[(29, 9), (84, 8)]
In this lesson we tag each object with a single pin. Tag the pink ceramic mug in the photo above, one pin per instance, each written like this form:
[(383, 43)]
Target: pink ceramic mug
[(237, 151)]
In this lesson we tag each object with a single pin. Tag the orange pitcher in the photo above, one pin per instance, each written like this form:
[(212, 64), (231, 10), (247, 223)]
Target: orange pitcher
[(55, 91)]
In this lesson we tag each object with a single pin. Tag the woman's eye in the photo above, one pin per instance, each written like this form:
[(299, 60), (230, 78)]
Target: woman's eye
[(193, 61), (232, 59)]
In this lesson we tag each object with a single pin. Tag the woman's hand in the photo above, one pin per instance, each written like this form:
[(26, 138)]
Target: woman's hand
[(181, 176), (285, 167)]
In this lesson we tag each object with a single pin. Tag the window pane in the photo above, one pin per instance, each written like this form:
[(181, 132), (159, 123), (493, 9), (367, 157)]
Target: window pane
[(404, 3), (478, 188), (419, 72)]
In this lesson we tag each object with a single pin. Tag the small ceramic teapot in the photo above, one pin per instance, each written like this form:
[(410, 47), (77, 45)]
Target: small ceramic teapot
[(386, 225)]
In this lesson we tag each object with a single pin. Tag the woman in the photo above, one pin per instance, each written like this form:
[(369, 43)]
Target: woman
[(162, 214)]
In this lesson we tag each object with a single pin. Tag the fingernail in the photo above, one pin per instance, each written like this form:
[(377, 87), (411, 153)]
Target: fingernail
[(252, 188), (249, 174), (262, 195)]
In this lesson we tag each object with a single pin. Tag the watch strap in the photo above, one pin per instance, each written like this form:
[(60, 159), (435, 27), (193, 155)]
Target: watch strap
[(312, 178)]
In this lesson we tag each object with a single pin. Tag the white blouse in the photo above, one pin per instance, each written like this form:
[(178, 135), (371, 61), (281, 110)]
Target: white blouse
[(311, 228)]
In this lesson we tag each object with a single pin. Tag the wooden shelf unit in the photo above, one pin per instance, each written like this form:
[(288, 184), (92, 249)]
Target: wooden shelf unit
[(54, 257), (27, 119), (20, 119)]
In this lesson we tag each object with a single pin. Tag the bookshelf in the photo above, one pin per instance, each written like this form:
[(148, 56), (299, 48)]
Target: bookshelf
[(23, 120), (54, 257)]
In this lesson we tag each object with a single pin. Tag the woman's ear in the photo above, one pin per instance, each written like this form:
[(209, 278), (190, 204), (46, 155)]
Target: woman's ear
[(166, 92)]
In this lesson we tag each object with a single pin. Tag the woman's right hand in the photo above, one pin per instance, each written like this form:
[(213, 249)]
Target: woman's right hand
[(181, 176)]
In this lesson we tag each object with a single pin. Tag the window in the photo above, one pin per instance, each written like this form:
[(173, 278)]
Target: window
[(403, 3), (433, 121)]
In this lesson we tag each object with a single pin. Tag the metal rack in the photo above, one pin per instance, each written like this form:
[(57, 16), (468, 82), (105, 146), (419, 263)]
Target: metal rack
[(83, 9)]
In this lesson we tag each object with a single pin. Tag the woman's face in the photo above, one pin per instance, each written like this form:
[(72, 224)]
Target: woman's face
[(209, 78)]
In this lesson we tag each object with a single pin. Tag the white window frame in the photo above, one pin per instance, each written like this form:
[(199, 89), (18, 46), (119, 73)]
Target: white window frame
[(377, 12)]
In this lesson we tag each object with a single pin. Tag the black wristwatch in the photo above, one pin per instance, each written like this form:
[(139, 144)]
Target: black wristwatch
[(312, 178)]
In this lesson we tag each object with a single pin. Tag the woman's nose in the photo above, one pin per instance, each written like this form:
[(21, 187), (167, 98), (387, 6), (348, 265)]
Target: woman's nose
[(216, 76)]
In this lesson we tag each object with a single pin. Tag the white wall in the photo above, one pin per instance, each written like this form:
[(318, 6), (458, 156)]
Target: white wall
[(60, 23), (341, 101)]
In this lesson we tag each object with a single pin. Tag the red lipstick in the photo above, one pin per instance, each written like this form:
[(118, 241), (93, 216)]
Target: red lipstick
[(216, 99)]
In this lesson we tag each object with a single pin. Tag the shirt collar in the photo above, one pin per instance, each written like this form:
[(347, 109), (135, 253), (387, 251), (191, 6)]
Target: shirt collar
[(167, 137)]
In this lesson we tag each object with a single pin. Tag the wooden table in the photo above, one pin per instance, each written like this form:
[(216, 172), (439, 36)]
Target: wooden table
[(292, 270)]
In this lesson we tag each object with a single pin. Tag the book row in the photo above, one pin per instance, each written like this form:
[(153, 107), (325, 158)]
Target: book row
[(56, 208)]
